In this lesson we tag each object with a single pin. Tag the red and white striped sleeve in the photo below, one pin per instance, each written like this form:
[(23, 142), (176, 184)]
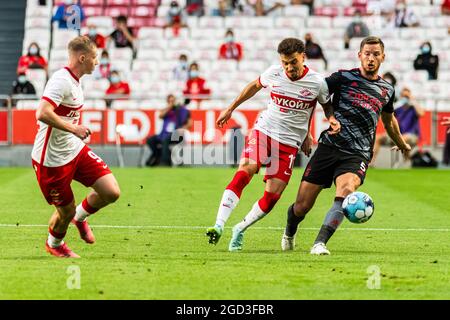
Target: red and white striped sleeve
[(56, 90)]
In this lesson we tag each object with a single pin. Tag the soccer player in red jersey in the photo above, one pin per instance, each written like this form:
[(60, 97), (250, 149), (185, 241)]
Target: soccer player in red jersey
[(59, 154), (278, 134)]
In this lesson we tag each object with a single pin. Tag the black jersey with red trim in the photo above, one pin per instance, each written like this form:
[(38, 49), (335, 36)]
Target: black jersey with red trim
[(358, 103)]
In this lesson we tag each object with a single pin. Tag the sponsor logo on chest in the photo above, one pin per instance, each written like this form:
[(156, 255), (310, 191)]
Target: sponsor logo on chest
[(292, 103)]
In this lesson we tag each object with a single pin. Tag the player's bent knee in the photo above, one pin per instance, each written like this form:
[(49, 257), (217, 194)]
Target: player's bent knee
[(111, 195), (301, 208)]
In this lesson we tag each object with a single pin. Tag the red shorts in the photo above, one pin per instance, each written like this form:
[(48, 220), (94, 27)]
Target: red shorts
[(54, 182), (279, 158)]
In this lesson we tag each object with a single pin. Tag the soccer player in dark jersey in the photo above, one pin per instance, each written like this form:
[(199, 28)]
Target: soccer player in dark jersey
[(360, 96)]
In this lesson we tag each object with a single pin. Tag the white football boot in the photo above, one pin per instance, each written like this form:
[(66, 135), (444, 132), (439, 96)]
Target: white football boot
[(320, 249), (287, 243)]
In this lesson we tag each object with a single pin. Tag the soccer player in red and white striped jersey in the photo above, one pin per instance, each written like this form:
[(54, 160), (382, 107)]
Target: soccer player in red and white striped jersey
[(280, 131), (59, 154)]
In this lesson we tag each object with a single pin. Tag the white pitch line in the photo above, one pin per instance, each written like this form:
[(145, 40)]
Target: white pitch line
[(204, 227)]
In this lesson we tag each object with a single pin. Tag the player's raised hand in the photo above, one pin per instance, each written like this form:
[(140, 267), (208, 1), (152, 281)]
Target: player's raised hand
[(335, 126), (405, 149), (82, 132), (307, 145), (223, 118)]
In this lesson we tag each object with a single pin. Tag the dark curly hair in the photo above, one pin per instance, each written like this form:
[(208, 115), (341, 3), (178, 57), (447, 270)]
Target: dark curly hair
[(290, 46)]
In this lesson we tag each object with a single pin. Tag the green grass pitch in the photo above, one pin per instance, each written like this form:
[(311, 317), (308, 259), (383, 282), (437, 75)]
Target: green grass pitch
[(151, 243)]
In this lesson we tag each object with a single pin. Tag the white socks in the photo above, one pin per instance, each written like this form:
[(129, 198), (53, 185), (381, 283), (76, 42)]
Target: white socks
[(227, 204), (254, 215), (54, 242), (80, 213)]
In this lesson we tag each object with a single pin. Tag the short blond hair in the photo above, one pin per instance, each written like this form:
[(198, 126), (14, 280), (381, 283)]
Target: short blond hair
[(81, 44)]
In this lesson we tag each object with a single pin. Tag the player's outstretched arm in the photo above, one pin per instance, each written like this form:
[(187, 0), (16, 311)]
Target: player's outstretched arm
[(249, 91), (393, 130), (335, 126), (45, 113)]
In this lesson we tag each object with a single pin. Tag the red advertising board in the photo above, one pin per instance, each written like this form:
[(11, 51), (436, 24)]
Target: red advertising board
[(103, 125), (3, 126)]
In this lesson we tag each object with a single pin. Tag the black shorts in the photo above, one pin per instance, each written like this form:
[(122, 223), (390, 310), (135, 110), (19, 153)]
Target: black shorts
[(328, 163)]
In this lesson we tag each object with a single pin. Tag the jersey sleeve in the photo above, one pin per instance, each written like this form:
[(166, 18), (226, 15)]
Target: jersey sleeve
[(333, 82), (264, 78), (324, 94), (56, 90), (389, 107)]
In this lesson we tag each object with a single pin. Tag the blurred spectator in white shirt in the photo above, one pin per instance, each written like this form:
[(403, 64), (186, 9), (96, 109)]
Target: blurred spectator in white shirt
[(404, 16), (223, 9), (181, 70)]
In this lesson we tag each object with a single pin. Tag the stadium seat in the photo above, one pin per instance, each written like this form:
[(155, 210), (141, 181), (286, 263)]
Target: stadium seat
[(116, 11), (94, 3), (299, 11), (211, 22), (207, 33), (101, 22), (326, 11), (145, 65), (27, 104), (318, 22), (154, 54), (226, 65), (443, 105), (342, 22), (260, 22), (160, 44), (417, 76), (289, 22), (238, 22), (253, 65), (93, 11), (152, 104), (151, 3), (120, 54), (117, 3), (95, 104), (143, 11), (61, 37), (205, 54), (37, 22), (124, 105), (212, 105), (150, 33), (281, 33)]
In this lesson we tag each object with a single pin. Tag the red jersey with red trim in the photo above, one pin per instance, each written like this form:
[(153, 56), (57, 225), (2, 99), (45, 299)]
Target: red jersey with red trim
[(291, 105), (54, 147)]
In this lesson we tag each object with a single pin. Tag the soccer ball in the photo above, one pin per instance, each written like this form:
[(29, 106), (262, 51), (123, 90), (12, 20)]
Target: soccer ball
[(358, 207)]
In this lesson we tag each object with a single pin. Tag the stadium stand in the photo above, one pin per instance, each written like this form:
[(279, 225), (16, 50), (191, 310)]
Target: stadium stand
[(149, 72)]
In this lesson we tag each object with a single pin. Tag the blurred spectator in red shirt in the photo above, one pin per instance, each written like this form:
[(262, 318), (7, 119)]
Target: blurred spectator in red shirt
[(445, 8), (230, 49), (195, 85), (32, 60), (176, 18), (117, 87), (103, 69), (195, 8), (96, 37)]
